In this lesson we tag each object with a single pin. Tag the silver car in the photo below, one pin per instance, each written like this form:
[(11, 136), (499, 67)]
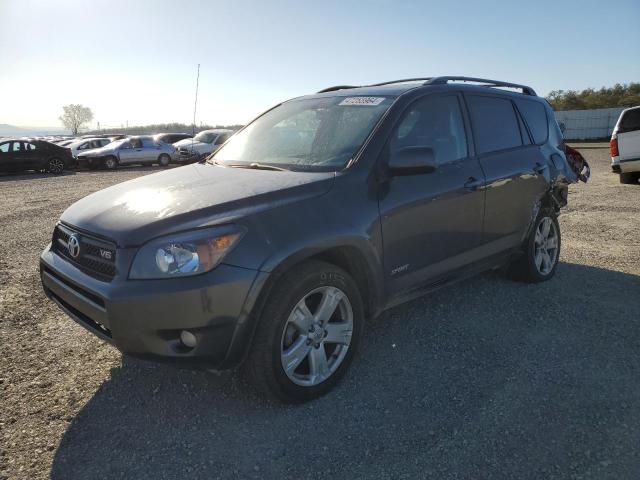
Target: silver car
[(133, 150)]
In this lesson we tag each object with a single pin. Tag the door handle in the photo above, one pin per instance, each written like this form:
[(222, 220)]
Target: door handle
[(472, 183)]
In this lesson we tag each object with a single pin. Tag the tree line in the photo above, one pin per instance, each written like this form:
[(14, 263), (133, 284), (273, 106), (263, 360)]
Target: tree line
[(620, 95), (160, 128)]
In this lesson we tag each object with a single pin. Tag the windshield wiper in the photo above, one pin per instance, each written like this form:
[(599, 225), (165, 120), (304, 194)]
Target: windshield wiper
[(256, 166)]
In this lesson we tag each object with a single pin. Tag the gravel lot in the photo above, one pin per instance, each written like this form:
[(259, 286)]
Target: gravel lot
[(486, 379)]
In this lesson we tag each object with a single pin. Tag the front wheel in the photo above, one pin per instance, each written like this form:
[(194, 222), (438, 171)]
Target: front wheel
[(163, 160), (307, 334), (111, 163), (541, 251), (55, 166)]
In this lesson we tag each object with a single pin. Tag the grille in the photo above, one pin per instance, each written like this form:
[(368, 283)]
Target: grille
[(96, 257)]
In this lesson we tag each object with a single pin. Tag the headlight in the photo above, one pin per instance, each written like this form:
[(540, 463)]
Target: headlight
[(184, 254)]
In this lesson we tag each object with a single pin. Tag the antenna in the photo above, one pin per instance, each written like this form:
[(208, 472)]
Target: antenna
[(195, 104)]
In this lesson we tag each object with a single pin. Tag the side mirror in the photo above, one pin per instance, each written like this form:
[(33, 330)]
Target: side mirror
[(412, 161)]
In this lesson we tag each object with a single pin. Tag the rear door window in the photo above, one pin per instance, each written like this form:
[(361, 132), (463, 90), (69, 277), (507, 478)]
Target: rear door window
[(494, 122), (17, 147), (535, 115), (630, 121)]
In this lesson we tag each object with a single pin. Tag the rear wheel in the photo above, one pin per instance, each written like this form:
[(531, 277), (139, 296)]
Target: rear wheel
[(163, 160), (111, 163), (630, 177), (307, 333), (542, 251), (55, 166)]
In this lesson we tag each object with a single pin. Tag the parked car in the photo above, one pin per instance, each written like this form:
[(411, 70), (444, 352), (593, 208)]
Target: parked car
[(203, 144), (319, 214), (171, 138), (29, 154), (133, 150), (625, 146), (65, 143), (87, 144)]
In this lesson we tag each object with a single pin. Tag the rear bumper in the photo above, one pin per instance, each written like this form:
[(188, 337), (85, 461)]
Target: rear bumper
[(630, 165), (145, 318)]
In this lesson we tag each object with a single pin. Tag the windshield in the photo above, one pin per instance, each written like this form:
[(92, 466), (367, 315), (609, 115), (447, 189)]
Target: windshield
[(318, 134), (205, 137)]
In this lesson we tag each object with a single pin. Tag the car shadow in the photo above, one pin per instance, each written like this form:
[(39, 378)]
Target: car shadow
[(487, 378)]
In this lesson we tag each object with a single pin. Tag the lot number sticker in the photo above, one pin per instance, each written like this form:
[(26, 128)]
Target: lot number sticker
[(365, 101)]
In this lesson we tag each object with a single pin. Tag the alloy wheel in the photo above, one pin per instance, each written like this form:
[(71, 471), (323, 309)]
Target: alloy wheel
[(546, 246), (56, 165), (317, 336)]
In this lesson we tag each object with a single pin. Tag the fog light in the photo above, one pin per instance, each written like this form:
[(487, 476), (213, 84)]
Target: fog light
[(188, 339)]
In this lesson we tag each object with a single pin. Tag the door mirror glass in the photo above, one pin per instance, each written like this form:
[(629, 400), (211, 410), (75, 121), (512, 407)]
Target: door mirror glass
[(412, 161)]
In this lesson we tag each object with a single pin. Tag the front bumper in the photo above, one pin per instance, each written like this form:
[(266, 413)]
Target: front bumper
[(86, 162), (144, 318), (188, 156)]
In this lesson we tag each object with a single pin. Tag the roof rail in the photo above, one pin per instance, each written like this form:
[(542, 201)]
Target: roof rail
[(489, 83), (404, 80), (343, 87)]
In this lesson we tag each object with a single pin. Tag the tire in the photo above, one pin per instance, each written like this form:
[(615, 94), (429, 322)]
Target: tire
[(111, 163), (55, 165), (629, 178), (163, 160), (541, 253), (289, 332)]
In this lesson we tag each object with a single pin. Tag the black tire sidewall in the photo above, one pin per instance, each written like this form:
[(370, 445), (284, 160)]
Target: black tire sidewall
[(284, 297), (160, 159)]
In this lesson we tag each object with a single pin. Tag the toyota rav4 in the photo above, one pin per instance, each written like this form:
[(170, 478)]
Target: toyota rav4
[(319, 214)]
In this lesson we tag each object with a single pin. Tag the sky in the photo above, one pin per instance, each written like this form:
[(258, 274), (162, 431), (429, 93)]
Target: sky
[(135, 61)]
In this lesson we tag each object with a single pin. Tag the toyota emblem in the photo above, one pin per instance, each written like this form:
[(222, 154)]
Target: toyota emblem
[(73, 245)]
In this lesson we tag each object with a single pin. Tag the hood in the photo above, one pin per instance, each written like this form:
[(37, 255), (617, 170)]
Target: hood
[(98, 151), (187, 142), (188, 197)]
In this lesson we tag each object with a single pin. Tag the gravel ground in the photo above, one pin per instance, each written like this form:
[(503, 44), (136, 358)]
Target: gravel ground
[(486, 379)]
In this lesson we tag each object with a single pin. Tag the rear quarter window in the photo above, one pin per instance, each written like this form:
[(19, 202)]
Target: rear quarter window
[(494, 122), (630, 121), (535, 115)]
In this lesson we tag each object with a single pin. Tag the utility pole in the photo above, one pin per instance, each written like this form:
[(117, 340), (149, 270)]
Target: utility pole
[(195, 103)]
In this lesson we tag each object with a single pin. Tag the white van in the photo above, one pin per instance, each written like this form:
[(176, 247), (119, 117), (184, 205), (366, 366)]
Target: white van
[(625, 146)]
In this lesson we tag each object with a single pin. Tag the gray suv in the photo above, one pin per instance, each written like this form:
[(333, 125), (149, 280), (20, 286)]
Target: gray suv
[(320, 214)]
